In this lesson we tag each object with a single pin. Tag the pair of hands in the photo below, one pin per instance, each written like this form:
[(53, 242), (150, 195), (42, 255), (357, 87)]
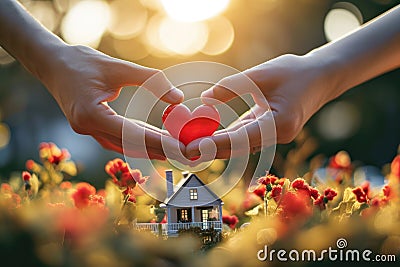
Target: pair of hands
[(84, 80)]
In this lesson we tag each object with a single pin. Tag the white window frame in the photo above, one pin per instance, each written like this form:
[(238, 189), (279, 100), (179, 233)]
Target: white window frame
[(193, 194)]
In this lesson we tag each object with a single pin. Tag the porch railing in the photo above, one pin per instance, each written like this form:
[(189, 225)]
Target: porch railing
[(174, 227)]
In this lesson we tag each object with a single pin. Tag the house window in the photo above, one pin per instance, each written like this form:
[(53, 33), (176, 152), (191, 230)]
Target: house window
[(204, 215), (193, 194), (184, 215)]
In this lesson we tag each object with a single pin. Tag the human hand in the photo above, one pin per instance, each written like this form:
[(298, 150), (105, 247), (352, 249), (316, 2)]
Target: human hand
[(83, 81), (295, 87)]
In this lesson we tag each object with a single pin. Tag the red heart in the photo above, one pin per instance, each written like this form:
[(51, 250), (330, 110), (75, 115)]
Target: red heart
[(187, 126)]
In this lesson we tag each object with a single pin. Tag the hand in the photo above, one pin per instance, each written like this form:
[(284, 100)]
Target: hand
[(83, 80), (295, 87)]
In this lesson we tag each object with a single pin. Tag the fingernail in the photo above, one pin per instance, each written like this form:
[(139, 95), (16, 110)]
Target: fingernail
[(207, 97), (175, 96)]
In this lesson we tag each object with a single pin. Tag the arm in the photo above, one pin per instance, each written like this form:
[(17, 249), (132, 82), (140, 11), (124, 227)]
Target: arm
[(83, 80), (298, 86), (371, 50)]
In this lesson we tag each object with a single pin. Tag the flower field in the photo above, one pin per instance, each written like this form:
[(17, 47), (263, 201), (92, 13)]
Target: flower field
[(48, 218)]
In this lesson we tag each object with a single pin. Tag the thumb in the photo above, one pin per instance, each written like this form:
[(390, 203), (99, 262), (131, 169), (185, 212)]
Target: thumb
[(153, 80), (233, 86)]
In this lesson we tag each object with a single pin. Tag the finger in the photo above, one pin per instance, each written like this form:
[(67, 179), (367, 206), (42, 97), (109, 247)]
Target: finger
[(249, 138), (151, 127), (105, 143), (152, 79), (234, 126), (111, 143), (245, 118), (232, 86), (143, 140)]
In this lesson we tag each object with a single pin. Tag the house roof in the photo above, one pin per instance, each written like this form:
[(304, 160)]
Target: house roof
[(184, 181)]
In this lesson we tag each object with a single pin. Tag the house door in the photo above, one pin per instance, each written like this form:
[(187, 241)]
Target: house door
[(204, 215), (184, 215)]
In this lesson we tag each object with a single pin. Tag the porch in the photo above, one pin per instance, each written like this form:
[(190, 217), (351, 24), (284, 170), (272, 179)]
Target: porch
[(172, 228)]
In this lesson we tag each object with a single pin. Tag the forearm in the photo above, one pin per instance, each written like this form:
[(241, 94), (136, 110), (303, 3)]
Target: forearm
[(27, 40), (364, 54)]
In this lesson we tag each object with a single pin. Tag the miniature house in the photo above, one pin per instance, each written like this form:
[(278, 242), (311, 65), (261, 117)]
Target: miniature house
[(191, 203)]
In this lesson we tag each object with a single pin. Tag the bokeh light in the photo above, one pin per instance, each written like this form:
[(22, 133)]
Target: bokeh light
[(194, 10), (131, 49), (44, 12), (182, 37), (128, 19), (220, 36), (152, 37), (342, 19), (86, 22), (4, 135), (339, 120), (152, 4)]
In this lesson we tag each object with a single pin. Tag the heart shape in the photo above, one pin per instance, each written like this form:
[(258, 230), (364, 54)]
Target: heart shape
[(187, 126)]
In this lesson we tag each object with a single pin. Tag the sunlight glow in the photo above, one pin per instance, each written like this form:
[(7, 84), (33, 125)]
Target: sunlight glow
[(44, 12), (183, 38), (220, 37), (131, 49), (128, 18), (194, 10), (86, 22), (153, 40), (339, 120), (342, 19)]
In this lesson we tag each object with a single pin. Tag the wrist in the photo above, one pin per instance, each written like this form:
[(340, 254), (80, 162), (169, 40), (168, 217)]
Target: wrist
[(48, 58), (331, 76)]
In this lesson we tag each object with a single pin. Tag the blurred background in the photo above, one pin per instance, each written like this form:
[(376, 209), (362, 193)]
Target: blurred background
[(162, 33)]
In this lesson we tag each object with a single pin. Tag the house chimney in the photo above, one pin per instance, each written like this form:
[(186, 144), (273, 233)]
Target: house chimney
[(170, 183)]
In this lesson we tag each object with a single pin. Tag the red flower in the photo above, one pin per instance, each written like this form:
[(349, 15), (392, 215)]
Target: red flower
[(51, 153), (97, 200), (29, 164), (276, 192), (137, 176), (116, 167), (82, 195), (6, 188), (129, 192), (320, 202), (366, 188), (387, 191), (300, 183), (314, 193), (260, 191), (329, 194), (296, 205), (341, 161), (395, 167), (231, 221), (360, 195), (102, 193), (267, 179), (65, 185), (26, 176), (122, 174)]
